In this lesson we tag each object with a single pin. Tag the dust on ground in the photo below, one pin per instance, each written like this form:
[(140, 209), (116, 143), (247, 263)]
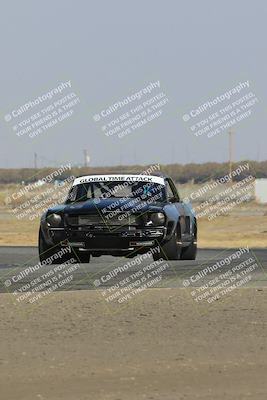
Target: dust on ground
[(159, 347)]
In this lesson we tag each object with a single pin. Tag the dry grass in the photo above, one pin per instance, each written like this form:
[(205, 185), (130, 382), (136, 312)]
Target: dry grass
[(229, 231), (14, 232), (245, 225), (233, 231)]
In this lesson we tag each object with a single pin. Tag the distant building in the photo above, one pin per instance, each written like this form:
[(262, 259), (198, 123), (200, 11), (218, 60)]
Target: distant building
[(40, 182), (59, 182), (261, 190)]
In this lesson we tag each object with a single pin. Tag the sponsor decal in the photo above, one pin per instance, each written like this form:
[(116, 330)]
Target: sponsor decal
[(123, 178)]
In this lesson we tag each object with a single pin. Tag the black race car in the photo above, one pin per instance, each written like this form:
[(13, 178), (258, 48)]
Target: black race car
[(120, 215)]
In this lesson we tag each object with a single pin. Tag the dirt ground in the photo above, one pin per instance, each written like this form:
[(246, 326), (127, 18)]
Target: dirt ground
[(161, 346)]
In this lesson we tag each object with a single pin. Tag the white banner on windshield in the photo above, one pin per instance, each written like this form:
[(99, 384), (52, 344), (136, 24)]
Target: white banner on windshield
[(119, 178)]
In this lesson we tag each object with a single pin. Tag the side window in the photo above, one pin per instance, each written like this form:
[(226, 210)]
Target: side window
[(72, 194), (171, 190)]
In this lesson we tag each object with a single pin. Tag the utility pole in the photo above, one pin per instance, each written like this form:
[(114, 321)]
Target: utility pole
[(134, 156), (86, 158), (35, 160), (231, 153), (173, 155)]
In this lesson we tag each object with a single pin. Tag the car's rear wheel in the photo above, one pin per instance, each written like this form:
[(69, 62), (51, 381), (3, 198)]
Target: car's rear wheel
[(82, 256), (189, 252), (170, 250)]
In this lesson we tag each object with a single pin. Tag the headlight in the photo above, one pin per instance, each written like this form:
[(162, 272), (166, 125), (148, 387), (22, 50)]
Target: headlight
[(157, 218), (54, 219)]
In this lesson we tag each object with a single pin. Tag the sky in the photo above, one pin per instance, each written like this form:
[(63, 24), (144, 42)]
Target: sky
[(110, 50)]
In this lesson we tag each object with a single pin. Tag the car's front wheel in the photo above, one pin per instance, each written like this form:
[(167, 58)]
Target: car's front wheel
[(47, 252), (54, 252)]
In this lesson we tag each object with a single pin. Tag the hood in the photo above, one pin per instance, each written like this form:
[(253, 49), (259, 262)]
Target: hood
[(107, 205)]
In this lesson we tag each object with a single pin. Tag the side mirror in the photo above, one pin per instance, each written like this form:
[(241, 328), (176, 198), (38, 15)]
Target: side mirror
[(173, 199)]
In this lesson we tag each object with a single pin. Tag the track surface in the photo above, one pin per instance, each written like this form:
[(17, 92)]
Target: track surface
[(13, 260)]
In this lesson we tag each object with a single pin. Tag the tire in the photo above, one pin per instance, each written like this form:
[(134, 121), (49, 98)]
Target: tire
[(170, 250), (189, 252), (46, 251), (82, 257)]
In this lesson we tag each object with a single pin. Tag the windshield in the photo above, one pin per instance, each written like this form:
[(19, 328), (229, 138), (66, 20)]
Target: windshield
[(117, 189)]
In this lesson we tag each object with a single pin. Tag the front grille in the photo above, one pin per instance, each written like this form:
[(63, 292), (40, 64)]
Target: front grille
[(100, 219)]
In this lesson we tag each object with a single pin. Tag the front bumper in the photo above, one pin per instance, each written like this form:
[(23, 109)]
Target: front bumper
[(102, 239)]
